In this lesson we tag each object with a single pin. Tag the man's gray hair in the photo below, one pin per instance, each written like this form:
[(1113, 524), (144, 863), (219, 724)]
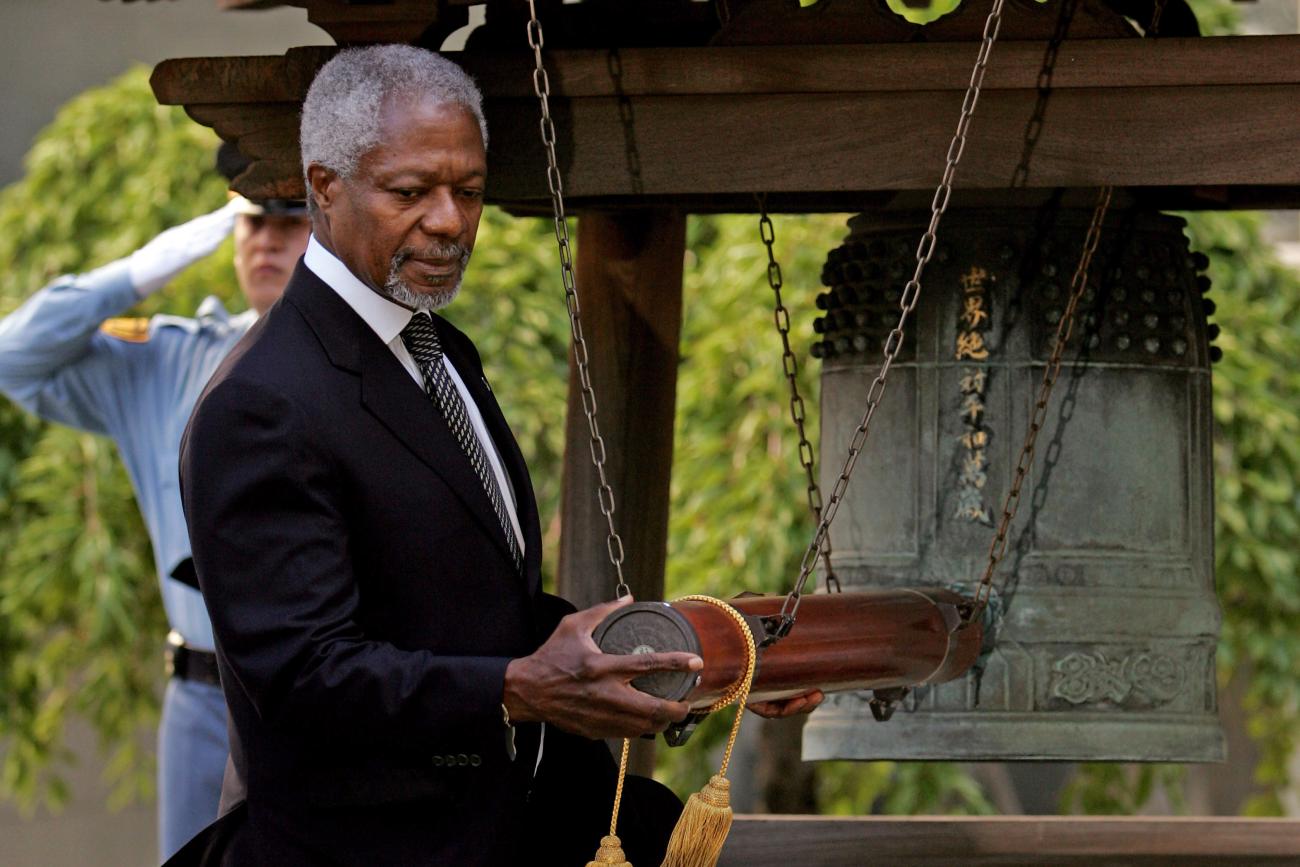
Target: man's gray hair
[(340, 117)]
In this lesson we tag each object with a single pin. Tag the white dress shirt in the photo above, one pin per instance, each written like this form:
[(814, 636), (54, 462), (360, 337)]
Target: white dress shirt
[(387, 319)]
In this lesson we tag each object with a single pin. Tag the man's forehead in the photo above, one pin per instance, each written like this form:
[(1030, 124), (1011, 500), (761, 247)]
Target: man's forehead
[(428, 137), (401, 109), (428, 160)]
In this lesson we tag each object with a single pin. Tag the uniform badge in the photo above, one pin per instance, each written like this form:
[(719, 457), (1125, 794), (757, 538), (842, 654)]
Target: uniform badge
[(127, 329)]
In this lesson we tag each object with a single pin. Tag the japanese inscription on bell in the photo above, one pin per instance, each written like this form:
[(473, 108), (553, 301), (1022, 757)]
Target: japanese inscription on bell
[(972, 324)]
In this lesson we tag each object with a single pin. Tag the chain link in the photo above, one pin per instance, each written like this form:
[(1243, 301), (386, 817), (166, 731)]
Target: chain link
[(790, 364), (604, 493), (907, 303)]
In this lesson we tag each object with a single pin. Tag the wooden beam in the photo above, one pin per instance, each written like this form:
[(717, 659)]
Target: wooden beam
[(1012, 841), (1182, 113), (629, 276), (718, 124), (701, 145), (777, 69)]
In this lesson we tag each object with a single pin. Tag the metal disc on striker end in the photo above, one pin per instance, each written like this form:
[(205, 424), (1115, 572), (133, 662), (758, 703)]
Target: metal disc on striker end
[(651, 627)]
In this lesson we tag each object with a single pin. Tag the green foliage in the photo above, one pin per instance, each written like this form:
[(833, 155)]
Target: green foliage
[(739, 518), (1257, 481), (81, 624), (923, 13), (1216, 17), (899, 788), (113, 170), (81, 618), (1123, 790)]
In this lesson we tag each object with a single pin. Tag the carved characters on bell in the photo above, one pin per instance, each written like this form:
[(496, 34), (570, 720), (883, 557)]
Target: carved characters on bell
[(972, 323)]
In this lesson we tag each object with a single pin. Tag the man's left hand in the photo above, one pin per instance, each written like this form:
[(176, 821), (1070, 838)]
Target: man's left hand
[(787, 706)]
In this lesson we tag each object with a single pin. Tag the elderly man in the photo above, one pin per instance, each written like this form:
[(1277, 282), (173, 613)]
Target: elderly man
[(64, 358), (366, 537)]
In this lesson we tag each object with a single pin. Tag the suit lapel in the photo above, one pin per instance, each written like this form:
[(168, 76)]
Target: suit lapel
[(390, 395)]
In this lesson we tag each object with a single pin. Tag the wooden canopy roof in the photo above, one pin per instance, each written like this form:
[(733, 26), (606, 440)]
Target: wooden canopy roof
[(836, 106)]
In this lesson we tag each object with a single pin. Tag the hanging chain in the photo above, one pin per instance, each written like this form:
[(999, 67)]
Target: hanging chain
[(604, 493), (906, 304), (1078, 285), (790, 364)]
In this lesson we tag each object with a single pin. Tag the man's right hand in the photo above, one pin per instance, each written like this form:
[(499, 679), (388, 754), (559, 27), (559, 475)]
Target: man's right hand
[(570, 683)]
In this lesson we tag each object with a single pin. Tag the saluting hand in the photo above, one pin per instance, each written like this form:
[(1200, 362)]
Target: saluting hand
[(171, 252), (570, 683)]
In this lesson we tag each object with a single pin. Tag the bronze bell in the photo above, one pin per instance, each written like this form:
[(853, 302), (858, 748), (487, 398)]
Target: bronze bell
[(1103, 626)]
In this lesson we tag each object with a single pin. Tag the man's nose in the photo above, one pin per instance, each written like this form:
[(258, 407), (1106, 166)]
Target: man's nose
[(442, 217)]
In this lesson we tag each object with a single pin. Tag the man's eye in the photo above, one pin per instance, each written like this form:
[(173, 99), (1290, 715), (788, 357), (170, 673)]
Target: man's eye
[(406, 193), (471, 193)]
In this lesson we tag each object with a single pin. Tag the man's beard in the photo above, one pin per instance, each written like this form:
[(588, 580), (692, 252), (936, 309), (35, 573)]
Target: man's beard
[(398, 289)]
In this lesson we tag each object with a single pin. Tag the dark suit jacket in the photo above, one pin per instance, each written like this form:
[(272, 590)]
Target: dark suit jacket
[(364, 602)]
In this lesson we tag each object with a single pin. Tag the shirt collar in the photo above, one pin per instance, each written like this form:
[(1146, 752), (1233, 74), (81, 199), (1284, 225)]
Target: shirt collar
[(386, 318)]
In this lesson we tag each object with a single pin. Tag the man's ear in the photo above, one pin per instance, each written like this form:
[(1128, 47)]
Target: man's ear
[(323, 185)]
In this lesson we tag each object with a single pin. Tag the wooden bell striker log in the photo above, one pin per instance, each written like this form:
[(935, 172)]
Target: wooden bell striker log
[(876, 639)]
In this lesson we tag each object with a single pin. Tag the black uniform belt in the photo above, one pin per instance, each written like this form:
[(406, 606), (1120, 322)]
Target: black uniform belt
[(189, 663)]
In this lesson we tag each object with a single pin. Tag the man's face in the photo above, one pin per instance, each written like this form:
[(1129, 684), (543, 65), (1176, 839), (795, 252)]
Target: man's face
[(405, 222), (267, 246)]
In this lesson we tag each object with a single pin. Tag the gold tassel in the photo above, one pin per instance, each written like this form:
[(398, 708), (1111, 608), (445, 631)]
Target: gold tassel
[(702, 830), (610, 853)]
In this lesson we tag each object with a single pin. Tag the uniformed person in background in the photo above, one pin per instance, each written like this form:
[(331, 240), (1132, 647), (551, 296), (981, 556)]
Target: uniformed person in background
[(65, 357)]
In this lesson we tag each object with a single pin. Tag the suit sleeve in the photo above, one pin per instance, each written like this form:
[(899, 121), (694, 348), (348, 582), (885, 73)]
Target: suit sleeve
[(270, 541), (55, 363)]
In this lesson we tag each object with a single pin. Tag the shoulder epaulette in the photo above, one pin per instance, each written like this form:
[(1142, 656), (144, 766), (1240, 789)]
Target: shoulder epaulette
[(131, 329)]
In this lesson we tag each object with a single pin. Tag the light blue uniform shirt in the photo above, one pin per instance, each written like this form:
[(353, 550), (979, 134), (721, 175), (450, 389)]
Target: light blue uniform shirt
[(56, 363)]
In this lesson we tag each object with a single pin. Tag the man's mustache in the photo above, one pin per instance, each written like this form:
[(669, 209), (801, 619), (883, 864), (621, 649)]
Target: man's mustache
[(436, 250)]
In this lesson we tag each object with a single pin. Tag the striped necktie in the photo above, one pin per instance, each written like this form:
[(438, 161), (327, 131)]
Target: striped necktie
[(421, 339)]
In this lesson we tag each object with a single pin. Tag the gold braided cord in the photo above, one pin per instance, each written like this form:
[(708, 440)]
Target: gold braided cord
[(618, 790), (738, 691)]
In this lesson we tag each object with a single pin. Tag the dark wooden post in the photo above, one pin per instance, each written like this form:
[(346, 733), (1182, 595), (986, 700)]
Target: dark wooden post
[(629, 273)]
